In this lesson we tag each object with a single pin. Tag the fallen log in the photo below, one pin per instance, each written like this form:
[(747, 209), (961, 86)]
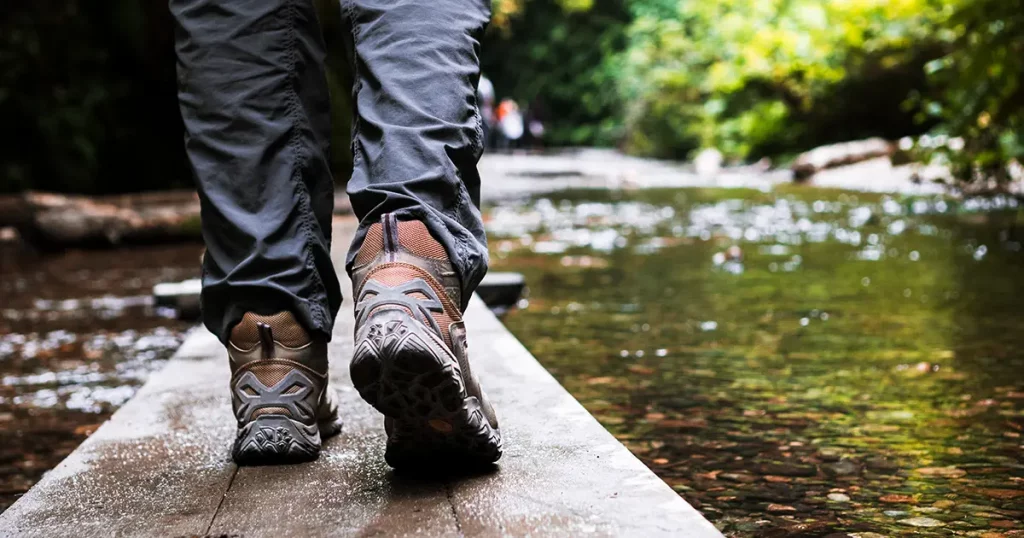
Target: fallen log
[(56, 219), (834, 155), (49, 219)]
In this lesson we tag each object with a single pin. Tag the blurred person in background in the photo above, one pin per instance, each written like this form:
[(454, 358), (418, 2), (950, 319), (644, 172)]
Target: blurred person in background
[(510, 124), (254, 100)]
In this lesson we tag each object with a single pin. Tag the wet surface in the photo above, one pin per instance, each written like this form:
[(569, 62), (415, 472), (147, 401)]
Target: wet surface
[(794, 362), (78, 336), (162, 467)]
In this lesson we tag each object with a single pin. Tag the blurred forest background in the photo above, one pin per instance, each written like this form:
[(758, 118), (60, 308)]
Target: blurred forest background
[(87, 89)]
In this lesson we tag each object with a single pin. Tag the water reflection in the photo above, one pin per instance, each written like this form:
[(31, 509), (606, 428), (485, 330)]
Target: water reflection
[(797, 362)]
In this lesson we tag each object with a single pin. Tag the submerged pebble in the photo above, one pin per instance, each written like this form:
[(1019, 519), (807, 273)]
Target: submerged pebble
[(922, 522)]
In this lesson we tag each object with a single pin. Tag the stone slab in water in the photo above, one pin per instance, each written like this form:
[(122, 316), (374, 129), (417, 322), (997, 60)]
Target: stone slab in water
[(501, 290), (162, 467)]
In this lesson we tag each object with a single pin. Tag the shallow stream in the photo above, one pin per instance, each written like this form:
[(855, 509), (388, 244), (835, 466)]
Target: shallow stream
[(795, 362)]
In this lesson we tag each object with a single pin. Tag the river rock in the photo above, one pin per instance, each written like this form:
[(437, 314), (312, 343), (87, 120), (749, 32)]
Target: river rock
[(1005, 494), (881, 465), (787, 469), (922, 522), (944, 472), (742, 478), (897, 498), (843, 468)]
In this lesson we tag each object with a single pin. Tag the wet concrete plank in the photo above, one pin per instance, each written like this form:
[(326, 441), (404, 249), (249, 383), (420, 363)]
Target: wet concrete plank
[(348, 491), (161, 466)]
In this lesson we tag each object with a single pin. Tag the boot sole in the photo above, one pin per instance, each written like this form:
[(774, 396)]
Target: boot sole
[(272, 439), (401, 369), (277, 439)]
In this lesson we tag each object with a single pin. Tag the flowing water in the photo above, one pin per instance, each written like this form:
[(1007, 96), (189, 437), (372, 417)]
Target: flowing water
[(796, 362), (78, 336)]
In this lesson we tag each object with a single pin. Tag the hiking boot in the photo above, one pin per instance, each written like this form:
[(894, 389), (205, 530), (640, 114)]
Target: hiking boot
[(279, 391), (411, 360)]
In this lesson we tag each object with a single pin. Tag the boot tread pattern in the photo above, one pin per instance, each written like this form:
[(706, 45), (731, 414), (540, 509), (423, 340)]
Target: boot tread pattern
[(407, 374)]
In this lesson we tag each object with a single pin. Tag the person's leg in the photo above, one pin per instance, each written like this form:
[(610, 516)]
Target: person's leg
[(417, 133), (254, 102), (421, 248)]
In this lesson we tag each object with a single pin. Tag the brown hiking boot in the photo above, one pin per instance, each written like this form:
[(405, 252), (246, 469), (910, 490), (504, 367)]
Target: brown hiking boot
[(279, 391), (411, 360)]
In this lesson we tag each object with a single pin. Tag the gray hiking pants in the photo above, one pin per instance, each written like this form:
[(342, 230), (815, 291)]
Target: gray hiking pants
[(254, 100)]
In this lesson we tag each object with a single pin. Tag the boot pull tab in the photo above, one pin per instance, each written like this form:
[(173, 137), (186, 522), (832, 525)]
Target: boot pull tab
[(389, 223), (266, 340)]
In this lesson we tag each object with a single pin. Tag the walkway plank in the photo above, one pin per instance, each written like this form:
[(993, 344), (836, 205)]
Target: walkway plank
[(158, 467), (349, 491), (161, 465)]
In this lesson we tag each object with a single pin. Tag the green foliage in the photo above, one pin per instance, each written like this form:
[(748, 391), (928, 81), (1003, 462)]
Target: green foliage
[(764, 77), (755, 77), (981, 91)]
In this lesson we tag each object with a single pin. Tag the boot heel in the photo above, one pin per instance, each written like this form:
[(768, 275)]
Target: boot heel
[(273, 439), (280, 393)]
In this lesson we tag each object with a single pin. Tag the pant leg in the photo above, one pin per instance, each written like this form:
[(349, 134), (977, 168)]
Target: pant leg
[(253, 97), (417, 133)]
